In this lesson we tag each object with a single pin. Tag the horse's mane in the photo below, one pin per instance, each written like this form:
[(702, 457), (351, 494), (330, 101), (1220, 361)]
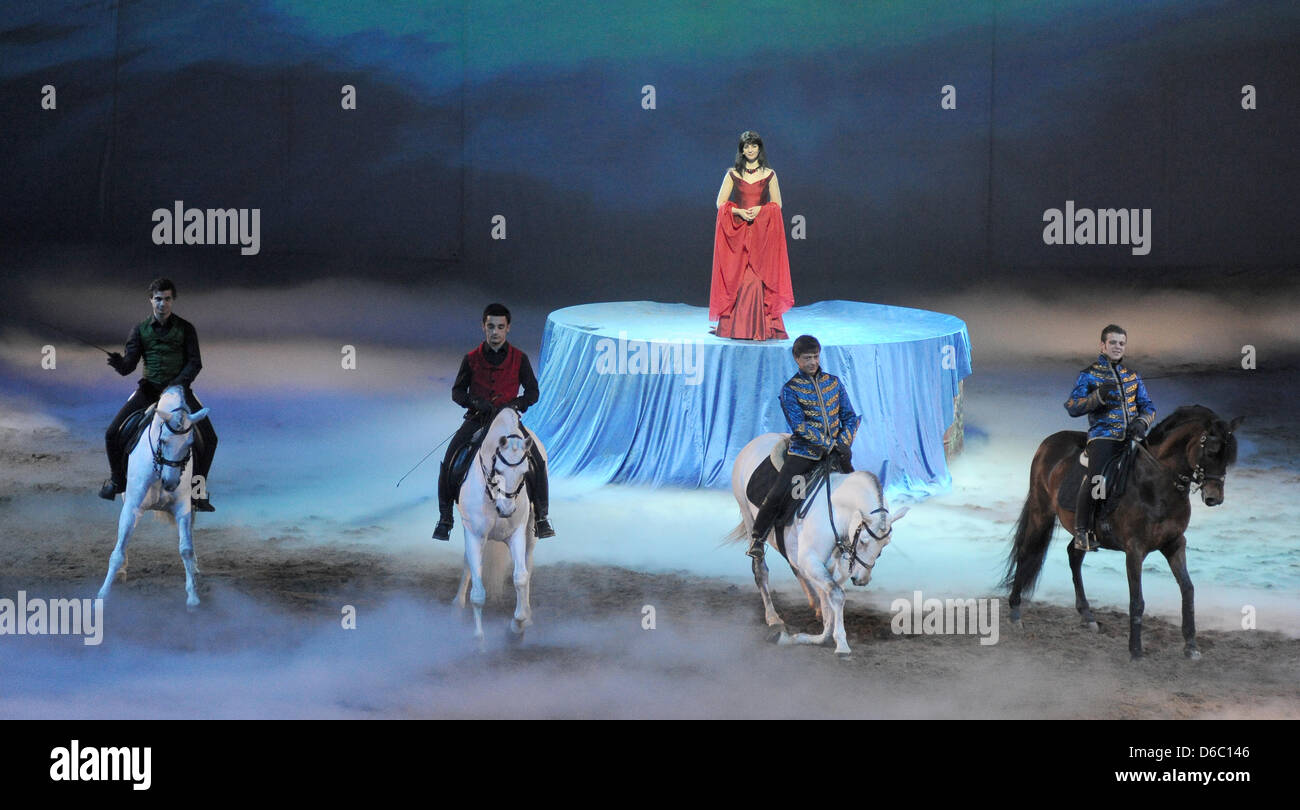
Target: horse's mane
[(499, 427), (1199, 414)]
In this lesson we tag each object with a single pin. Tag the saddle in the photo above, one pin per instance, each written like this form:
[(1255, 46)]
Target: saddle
[(765, 475), (461, 461), (1114, 481)]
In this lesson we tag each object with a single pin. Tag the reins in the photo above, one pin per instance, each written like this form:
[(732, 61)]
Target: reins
[(159, 461)]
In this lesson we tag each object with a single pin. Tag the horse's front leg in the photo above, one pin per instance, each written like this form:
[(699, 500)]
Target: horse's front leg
[(474, 566), (185, 522), (519, 554), (1135, 604), (819, 579), (1177, 558), (1080, 598), (836, 620), (131, 512)]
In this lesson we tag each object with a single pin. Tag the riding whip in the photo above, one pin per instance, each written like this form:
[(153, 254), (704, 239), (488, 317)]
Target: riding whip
[(426, 458)]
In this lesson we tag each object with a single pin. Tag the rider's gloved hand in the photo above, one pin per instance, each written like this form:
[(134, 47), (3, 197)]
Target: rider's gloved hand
[(1107, 390), (481, 405), (116, 360), (1137, 430)]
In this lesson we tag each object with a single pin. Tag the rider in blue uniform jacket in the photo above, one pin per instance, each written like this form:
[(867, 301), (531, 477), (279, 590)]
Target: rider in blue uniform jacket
[(822, 421), (1118, 408)]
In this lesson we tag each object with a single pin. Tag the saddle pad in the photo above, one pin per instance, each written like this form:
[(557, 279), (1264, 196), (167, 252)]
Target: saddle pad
[(761, 482)]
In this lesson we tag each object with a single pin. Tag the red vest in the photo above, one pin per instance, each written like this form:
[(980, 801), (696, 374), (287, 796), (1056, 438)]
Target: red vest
[(496, 384)]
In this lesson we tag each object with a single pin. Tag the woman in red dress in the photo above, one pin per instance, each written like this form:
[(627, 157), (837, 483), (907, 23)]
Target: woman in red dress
[(751, 272)]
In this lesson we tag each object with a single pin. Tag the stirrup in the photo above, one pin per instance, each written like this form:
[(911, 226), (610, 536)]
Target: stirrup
[(1085, 540), (443, 530), (542, 528), (109, 491), (757, 547), (202, 505)]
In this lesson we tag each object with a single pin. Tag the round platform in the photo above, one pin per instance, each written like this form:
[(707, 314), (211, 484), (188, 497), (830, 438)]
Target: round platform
[(640, 392)]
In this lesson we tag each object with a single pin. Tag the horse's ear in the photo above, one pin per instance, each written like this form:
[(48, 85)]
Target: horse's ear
[(199, 415), (1232, 426), (897, 516)]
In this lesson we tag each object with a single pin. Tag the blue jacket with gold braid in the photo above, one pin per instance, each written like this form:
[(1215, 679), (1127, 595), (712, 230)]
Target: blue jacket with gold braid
[(1109, 419), (819, 413)]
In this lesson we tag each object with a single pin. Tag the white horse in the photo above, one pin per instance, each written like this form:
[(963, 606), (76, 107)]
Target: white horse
[(494, 505), (820, 558), (158, 477)]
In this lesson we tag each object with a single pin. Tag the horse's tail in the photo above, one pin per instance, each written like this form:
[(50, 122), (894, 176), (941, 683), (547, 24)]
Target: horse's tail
[(165, 516), (735, 535), (496, 567), (1032, 536)]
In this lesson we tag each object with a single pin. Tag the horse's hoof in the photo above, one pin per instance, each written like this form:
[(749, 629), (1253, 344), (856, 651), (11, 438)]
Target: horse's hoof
[(784, 639), (1193, 654), (841, 655), (192, 604), (1093, 626), (1134, 657), (1018, 624)]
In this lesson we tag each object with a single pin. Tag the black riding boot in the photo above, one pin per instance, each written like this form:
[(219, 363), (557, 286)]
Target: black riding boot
[(763, 524), (539, 493), (1083, 539), (116, 464), (445, 510)]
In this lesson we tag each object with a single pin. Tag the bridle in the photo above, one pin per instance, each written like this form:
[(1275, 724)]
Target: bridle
[(848, 547), (490, 476), (1198, 477), (159, 461)]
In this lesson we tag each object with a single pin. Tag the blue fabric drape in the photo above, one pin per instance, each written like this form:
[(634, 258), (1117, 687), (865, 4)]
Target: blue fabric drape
[(604, 415)]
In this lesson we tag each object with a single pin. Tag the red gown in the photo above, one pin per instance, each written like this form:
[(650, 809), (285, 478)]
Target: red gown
[(751, 271)]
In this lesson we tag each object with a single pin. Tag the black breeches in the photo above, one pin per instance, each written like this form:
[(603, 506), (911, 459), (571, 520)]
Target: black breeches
[(1100, 452)]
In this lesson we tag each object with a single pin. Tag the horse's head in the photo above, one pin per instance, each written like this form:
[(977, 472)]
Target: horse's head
[(505, 451), (1196, 439), (877, 529), (1210, 455), (171, 435)]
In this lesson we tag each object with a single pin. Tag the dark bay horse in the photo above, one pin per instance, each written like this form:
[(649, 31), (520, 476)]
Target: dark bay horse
[(1190, 448)]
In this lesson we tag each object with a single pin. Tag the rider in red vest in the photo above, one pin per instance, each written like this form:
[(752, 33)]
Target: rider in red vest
[(489, 379)]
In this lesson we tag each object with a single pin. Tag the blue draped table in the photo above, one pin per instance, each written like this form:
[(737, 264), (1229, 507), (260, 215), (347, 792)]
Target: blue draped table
[(640, 392)]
